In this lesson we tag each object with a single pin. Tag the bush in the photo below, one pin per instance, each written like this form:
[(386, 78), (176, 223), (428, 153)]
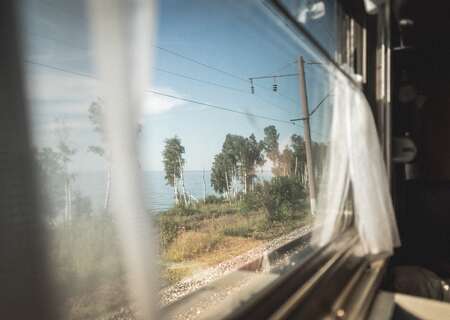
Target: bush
[(168, 230), (212, 199), (281, 197), (183, 211), (250, 202)]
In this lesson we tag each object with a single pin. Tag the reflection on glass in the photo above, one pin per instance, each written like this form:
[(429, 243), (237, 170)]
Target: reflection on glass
[(320, 17), (223, 158)]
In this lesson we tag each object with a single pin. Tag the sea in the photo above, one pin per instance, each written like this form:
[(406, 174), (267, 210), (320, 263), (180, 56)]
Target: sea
[(158, 196)]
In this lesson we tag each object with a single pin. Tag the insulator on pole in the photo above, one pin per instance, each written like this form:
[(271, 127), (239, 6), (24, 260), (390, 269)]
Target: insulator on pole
[(275, 85), (252, 88)]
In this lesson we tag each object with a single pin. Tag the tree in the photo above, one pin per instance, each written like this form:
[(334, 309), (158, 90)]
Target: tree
[(251, 157), (271, 144), (50, 171), (221, 175), (82, 205), (96, 118), (299, 165), (66, 153), (243, 155), (286, 162), (173, 167)]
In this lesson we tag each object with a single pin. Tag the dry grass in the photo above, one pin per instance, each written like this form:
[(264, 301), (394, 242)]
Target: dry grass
[(191, 244), (229, 248)]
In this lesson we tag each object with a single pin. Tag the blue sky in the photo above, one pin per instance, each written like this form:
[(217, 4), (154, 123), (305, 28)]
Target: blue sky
[(242, 39)]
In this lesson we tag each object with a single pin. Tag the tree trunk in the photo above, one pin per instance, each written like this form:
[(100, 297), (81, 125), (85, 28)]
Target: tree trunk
[(107, 189), (245, 181), (175, 189), (295, 168), (183, 190), (67, 200), (228, 187), (204, 187)]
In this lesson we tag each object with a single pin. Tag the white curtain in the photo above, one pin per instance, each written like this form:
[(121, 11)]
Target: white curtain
[(355, 159), (122, 33)]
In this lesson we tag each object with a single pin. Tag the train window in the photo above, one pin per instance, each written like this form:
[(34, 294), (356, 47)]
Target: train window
[(228, 168), (334, 28)]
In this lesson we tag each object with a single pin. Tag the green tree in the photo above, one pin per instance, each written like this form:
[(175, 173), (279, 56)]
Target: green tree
[(173, 167), (221, 175), (243, 155), (286, 162), (251, 157), (299, 160), (271, 144)]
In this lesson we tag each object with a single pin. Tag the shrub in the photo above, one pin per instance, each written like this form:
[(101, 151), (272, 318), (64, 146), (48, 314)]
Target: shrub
[(281, 197), (212, 199), (183, 211), (168, 230), (250, 202)]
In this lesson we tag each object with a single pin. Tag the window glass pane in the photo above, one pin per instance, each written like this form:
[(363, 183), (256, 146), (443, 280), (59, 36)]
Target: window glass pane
[(320, 18), (222, 148)]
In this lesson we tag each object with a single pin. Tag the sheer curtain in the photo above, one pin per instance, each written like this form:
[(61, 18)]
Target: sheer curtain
[(355, 159), (122, 35)]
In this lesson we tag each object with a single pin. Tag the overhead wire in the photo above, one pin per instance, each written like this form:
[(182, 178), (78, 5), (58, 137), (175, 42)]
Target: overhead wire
[(230, 74), (218, 107), (177, 74)]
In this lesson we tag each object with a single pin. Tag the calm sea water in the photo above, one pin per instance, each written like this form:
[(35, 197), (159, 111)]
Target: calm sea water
[(158, 196)]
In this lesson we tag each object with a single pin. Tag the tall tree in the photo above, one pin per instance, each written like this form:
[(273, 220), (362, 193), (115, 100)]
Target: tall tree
[(221, 175), (251, 157), (96, 118), (286, 162), (50, 171), (66, 154), (95, 112), (271, 144), (299, 165), (243, 155), (173, 167)]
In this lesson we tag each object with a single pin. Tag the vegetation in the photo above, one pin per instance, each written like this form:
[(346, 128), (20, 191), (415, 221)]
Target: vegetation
[(245, 211), (173, 167)]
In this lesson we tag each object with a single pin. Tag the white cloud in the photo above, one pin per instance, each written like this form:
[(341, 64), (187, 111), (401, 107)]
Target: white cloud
[(157, 104)]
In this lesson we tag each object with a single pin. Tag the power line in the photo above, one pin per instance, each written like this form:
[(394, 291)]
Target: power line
[(199, 80), (266, 101), (164, 94), (219, 107), (201, 63), (85, 75), (71, 72), (235, 76)]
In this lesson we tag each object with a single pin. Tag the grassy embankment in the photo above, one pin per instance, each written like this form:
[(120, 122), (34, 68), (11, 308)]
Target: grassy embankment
[(196, 238), (87, 264)]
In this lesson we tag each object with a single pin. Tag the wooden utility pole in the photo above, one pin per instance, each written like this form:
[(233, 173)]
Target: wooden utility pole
[(307, 133)]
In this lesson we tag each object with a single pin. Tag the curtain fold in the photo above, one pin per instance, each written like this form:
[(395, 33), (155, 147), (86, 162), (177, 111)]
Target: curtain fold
[(354, 159)]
